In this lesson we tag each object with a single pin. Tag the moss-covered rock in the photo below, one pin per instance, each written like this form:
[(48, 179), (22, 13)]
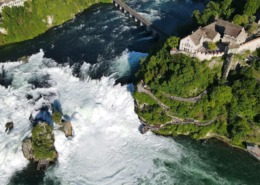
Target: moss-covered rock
[(56, 117), (43, 142)]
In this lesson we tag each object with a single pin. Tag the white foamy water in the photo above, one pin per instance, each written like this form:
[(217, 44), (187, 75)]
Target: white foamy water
[(127, 61), (107, 147)]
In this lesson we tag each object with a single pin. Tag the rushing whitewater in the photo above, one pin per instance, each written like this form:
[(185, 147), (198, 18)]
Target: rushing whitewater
[(107, 147)]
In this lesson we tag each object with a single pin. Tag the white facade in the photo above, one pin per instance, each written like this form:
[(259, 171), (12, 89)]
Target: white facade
[(232, 34), (186, 44)]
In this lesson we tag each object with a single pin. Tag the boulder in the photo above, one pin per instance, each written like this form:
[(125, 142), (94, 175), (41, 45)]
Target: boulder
[(67, 129), (9, 126), (27, 149)]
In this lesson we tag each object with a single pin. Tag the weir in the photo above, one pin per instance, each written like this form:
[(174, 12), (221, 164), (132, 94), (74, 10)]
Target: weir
[(139, 19)]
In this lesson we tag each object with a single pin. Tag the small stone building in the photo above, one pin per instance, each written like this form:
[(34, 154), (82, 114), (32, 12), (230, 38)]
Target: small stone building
[(231, 33)]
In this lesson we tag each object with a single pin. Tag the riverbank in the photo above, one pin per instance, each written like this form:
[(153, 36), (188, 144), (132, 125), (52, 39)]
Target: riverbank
[(210, 136), (167, 129), (156, 129), (39, 17)]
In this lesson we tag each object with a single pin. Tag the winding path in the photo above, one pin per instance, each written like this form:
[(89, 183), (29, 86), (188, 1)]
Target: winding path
[(187, 100), (175, 120)]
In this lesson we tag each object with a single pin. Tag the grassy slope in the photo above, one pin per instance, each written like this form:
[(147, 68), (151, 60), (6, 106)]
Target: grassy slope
[(28, 21)]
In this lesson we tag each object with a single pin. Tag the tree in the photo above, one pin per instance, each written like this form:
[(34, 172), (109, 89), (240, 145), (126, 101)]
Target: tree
[(241, 20), (214, 10), (239, 129), (172, 42), (251, 7), (211, 46), (222, 95)]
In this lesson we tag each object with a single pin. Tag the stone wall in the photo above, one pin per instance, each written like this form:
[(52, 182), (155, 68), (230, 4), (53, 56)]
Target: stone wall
[(199, 55), (208, 55), (250, 45)]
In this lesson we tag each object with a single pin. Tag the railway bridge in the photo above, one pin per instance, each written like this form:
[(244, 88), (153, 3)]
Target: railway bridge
[(139, 18)]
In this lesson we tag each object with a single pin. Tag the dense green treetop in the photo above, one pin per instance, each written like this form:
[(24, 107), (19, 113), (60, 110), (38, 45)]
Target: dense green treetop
[(234, 104), (240, 12), (178, 75)]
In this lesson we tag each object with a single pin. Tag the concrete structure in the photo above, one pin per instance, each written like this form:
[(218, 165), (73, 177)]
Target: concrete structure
[(207, 55), (251, 45), (219, 30), (138, 18), (253, 149), (10, 3), (42, 164)]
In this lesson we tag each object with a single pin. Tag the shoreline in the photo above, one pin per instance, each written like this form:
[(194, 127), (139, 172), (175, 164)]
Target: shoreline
[(209, 136), (55, 26), (219, 138)]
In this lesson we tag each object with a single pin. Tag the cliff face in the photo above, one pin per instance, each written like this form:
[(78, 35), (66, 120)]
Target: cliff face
[(37, 16)]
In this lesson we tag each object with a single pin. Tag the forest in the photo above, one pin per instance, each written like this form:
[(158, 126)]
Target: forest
[(242, 12), (233, 102), (37, 16)]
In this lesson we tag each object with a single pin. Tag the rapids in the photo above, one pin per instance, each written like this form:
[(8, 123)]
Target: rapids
[(80, 65)]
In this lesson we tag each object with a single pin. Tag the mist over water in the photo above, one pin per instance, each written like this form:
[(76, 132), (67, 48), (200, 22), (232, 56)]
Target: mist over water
[(79, 65)]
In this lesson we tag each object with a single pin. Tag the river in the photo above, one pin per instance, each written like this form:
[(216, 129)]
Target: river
[(83, 64)]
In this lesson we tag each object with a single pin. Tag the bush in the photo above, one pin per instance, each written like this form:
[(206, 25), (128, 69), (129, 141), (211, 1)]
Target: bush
[(211, 46), (56, 117), (43, 142)]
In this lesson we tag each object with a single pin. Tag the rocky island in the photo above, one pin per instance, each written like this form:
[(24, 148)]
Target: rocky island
[(40, 146)]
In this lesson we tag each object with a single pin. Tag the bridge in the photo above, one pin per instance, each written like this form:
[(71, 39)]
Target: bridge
[(139, 19)]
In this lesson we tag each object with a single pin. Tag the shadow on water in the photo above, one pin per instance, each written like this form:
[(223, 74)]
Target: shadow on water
[(56, 106), (43, 116), (30, 176), (5, 80)]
